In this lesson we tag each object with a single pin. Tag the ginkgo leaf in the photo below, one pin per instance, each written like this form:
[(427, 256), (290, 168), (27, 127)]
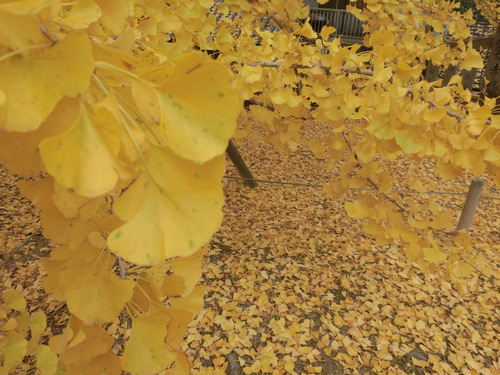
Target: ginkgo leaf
[(86, 344), (93, 293), (37, 325), (472, 59), (434, 115), (20, 31), (192, 303), (442, 220), (108, 363), (14, 300), (100, 299), (414, 251), (13, 351), (114, 14), (382, 128), (180, 318), (180, 208), (462, 269), (25, 7), (26, 143), (81, 14), (251, 73), (189, 268), (84, 157), (406, 143), (46, 360), (417, 185), (448, 171), (145, 352), (55, 226), (199, 108), (358, 210), (182, 365), (433, 254), (38, 83)]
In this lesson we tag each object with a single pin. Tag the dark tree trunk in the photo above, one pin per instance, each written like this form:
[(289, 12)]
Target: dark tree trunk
[(493, 67), (240, 165)]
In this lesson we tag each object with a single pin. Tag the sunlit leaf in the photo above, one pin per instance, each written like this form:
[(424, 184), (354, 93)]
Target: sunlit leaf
[(84, 157), (38, 83), (199, 108), (180, 208)]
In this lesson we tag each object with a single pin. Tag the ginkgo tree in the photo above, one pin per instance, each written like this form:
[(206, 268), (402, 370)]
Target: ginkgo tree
[(124, 126)]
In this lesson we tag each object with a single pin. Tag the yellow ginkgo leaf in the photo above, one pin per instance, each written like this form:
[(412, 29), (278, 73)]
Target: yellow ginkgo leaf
[(81, 14), (442, 220), (84, 157), (358, 210), (14, 300), (417, 185), (101, 298), (306, 31), (108, 363), (406, 143), (462, 269), (13, 350), (192, 303), (448, 171), (189, 269), (34, 85), (46, 360), (434, 115), (114, 14), (25, 7), (433, 254), (414, 251), (145, 352), (13, 144), (472, 59), (176, 209), (199, 108), (85, 345), (37, 325), (21, 31), (381, 127)]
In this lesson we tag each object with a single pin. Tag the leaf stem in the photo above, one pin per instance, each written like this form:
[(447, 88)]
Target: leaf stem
[(19, 51)]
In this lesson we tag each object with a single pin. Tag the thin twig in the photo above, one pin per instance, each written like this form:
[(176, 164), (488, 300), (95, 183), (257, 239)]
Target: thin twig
[(277, 64), (278, 22), (123, 271), (259, 103), (368, 178), (30, 237)]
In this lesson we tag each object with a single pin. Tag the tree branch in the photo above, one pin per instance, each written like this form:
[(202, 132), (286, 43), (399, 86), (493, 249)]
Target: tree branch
[(368, 178), (30, 237)]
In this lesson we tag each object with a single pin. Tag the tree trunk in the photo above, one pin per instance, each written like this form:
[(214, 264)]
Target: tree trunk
[(240, 165), (493, 67)]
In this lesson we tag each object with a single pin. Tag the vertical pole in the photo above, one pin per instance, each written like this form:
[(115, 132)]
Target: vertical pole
[(240, 165), (470, 204)]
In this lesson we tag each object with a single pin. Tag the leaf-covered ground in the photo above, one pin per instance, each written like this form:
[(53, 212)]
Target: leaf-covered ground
[(295, 286)]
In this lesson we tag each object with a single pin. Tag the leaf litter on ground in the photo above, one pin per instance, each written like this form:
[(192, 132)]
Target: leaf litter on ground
[(294, 286)]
